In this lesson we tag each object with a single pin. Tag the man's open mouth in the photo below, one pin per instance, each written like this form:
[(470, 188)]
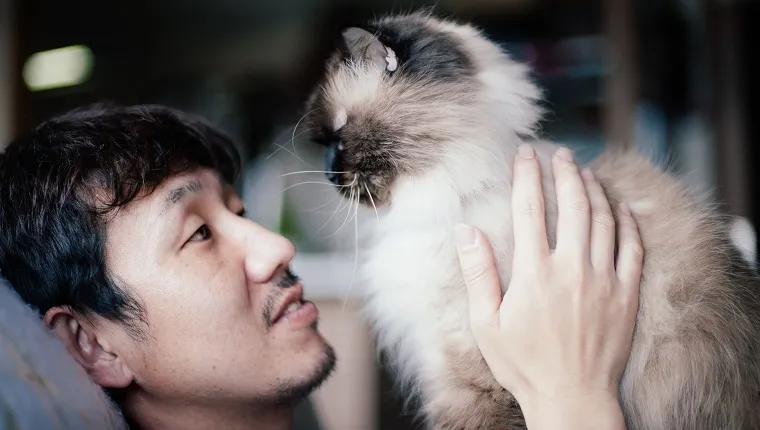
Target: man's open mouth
[(292, 301)]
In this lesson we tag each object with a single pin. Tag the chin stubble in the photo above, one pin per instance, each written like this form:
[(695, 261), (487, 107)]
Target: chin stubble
[(291, 393)]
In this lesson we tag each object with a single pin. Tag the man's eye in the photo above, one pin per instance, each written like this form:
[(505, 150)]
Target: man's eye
[(203, 233)]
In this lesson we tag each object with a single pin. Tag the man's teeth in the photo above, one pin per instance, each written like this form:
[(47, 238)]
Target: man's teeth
[(292, 307)]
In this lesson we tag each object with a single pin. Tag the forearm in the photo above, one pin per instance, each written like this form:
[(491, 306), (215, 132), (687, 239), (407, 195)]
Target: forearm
[(587, 412)]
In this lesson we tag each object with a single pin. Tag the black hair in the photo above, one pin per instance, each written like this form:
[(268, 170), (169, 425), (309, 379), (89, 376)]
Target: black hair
[(59, 182)]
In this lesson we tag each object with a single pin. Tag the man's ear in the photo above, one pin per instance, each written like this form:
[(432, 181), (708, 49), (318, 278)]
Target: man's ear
[(104, 365), (362, 46)]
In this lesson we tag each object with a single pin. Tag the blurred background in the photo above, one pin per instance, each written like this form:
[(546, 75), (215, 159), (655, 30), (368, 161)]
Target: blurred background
[(673, 77)]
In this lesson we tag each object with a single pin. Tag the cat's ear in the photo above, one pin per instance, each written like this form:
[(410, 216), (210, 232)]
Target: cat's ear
[(362, 46)]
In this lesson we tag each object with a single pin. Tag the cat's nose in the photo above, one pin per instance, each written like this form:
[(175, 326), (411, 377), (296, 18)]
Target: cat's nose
[(334, 161)]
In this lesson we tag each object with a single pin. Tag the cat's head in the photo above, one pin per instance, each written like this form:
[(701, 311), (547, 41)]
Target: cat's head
[(409, 93)]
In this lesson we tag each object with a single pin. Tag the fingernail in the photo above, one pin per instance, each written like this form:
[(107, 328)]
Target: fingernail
[(526, 151), (587, 174), (565, 154), (624, 209), (465, 236)]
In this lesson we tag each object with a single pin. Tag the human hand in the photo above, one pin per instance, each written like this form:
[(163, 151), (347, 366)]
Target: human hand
[(562, 334)]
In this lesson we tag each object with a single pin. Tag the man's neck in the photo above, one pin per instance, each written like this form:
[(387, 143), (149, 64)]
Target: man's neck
[(154, 415)]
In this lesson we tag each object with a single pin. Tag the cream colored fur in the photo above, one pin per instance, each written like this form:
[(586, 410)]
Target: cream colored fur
[(696, 353)]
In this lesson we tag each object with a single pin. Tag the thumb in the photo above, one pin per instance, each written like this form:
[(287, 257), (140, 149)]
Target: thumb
[(476, 261)]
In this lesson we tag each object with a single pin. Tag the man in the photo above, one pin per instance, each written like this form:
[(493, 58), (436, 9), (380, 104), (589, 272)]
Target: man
[(121, 227)]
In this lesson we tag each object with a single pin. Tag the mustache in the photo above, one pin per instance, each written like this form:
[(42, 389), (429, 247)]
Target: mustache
[(287, 280)]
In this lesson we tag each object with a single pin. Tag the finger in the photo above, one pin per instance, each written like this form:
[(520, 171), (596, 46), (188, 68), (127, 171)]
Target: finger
[(573, 224), (478, 267), (528, 212), (630, 257), (602, 225)]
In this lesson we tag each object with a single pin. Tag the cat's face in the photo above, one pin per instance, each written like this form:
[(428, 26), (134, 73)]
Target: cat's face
[(394, 95)]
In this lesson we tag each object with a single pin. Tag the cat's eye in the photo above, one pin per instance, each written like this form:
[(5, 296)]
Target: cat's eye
[(320, 140), (325, 137)]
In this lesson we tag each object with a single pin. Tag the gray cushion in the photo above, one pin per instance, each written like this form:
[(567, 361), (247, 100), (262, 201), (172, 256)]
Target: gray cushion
[(41, 386)]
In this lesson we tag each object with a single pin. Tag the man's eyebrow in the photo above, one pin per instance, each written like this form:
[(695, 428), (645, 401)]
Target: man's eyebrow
[(178, 193)]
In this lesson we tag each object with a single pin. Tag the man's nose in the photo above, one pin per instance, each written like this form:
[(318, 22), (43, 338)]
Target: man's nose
[(266, 253)]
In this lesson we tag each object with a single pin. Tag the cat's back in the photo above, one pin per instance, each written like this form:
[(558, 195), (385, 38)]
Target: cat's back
[(696, 353), (685, 237)]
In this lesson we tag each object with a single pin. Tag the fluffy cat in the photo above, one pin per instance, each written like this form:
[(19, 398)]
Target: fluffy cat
[(422, 118)]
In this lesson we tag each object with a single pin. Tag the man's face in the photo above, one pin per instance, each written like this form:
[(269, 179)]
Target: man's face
[(214, 286)]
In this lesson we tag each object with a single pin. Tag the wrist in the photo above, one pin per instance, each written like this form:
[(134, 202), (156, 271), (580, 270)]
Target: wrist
[(577, 409)]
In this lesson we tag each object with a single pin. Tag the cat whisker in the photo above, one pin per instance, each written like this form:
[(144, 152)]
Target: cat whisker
[(335, 212), (393, 161), (350, 200), (289, 151), (312, 171), (324, 204), (371, 200), (356, 252), (282, 146), (312, 182), (293, 137)]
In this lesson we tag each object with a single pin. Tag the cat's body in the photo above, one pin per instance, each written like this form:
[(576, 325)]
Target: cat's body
[(430, 127)]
